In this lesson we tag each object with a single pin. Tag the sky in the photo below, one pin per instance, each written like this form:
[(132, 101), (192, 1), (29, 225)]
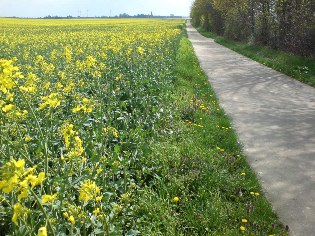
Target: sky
[(83, 8)]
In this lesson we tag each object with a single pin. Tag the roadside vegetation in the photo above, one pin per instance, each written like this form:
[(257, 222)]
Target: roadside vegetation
[(204, 166), (270, 32), (110, 127), (298, 67)]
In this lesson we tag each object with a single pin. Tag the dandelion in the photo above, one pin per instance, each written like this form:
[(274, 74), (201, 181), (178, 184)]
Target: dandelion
[(176, 199), (242, 228), (244, 221), (243, 174)]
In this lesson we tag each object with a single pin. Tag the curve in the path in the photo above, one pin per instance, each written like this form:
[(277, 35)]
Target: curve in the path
[(274, 117)]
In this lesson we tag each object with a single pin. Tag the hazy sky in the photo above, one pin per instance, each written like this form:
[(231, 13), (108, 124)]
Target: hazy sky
[(41, 8)]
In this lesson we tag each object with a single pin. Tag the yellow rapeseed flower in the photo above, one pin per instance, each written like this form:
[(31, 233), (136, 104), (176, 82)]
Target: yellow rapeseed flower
[(36, 180), (96, 211), (71, 219), (98, 198), (11, 172), (111, 131), (42, 231), (19, 211), (7, 108), (23, 190), (88, 191), (48, 198)]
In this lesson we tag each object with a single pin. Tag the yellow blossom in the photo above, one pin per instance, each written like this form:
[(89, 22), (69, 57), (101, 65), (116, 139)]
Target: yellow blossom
[(18, 212), (7, 108), (76, 109), (23, 190), (88, 190), (10, 174), (98, 198), (36, 180), (48, 198), (244, 220), (242, 228), (71, 219), (65, 214), (96, 211), (7, 186), (42, 231), (176, 199), (99, 170), (111, 131)]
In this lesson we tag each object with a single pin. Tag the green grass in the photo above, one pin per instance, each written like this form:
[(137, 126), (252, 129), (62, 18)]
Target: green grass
[(199, 160), (298, 67)]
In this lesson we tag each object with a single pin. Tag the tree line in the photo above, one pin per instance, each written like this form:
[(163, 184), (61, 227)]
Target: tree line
[(280, 24)]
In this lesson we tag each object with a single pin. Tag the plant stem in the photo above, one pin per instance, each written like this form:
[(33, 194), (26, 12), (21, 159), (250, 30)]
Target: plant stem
[(44, 212)]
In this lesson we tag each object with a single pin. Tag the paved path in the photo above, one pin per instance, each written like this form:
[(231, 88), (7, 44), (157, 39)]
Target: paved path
[(274, 117)]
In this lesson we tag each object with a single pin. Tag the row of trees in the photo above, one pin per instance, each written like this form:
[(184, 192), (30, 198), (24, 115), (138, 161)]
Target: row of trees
[(283, 24)]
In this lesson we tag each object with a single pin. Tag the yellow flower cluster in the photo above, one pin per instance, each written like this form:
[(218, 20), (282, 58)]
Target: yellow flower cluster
[(8, 74), (19, 211), (14, 173), (89, 191), (110, 131), (86, 106), (73, 142), (48, 198), (53, 100), (15, 177)]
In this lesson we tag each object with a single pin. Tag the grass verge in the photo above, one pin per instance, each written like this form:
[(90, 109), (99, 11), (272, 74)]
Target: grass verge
[(298, 67), (202, 183)]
